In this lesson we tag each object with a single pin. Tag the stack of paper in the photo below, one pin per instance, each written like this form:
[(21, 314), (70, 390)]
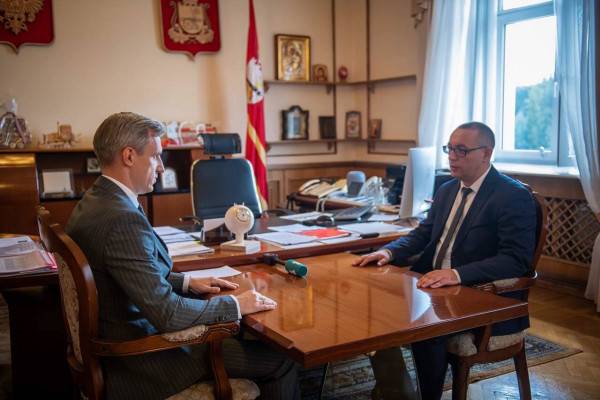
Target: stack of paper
[(187, 248), (284, 238), (325, 233), (373, 227), (21, 254)]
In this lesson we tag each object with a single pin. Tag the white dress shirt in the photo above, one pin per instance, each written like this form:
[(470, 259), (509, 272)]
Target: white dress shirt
[(446, 263)]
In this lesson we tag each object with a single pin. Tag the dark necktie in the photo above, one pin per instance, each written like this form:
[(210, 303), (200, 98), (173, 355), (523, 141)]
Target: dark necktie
[(459, 212)]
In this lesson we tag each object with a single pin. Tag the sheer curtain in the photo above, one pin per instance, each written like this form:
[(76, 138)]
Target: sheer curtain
[(460, 58), (576, 65)]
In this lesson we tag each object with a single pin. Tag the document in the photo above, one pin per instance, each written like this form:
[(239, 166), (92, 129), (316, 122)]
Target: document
[(293, 228), (220, 272), (17, 245), (178, 237), (325, 233), (373, 227), (283, 238), (166, 230), (304, 216), (187, 248), (37, 259), (383, 217)]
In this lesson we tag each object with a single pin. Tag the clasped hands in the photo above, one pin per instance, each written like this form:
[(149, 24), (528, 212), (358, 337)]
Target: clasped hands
[(433, 279), (250, 301)]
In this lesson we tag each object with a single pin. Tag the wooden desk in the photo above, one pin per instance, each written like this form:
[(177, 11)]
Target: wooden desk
[(37, 336), (341, 311)]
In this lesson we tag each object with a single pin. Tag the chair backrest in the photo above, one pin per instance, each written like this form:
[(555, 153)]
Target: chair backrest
[(79, 300), (219, 183), (541, 211)]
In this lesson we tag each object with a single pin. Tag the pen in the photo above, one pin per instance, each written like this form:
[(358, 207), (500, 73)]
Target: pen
[(369, 235)]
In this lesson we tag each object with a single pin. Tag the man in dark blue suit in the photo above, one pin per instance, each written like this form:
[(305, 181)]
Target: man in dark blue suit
[(480, 228)]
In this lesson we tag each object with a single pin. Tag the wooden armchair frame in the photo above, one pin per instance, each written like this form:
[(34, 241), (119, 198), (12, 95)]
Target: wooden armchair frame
[(462, 364), (86, 369)]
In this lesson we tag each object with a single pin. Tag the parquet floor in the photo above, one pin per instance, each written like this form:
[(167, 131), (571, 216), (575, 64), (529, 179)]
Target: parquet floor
[(564, 319)]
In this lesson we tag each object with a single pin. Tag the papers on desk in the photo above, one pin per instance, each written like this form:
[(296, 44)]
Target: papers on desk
[(187, 248), (325, 233), (21, 254), (373, 227), (17, 245), (304, 216), (221, 272), (181, 243), (166, 231), (293, 228), (383, 217), (283, 238)]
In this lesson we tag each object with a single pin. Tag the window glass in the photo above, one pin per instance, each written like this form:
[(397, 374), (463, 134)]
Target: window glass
[(529, 95), (510, 4)]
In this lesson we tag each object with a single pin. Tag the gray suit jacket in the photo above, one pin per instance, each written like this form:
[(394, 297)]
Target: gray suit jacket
[(139, 295)]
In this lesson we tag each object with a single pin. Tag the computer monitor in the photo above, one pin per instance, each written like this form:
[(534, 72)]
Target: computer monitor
[(418, 182)]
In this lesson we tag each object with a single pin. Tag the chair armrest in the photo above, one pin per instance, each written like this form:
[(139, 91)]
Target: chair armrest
[(148, 344), (187, 218), (507, 285)]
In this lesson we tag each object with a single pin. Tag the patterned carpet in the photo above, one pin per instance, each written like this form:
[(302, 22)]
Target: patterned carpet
[(346, 380), (353, 379)]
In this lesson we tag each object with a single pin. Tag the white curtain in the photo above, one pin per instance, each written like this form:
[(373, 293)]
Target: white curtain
[(577, 80), (460, 59)]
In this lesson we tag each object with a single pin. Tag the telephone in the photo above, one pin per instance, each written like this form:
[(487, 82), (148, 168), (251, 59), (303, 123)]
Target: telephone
[(371, 187), (316, 187)]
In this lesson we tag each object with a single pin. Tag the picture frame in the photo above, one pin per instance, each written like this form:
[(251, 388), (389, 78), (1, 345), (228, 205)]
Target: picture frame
[(294, 123), (92, 166), (292, 57), (327, 127), (168, 180), (353, 125), (320, 73), (57, 183), (375, 128)]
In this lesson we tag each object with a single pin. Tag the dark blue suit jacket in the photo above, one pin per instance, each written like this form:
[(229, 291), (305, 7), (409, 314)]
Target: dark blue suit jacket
[(496, 239)]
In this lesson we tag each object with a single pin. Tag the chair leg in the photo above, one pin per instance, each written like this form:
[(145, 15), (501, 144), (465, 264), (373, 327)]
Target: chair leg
[(460, 379), (522, 374), (325, 370)]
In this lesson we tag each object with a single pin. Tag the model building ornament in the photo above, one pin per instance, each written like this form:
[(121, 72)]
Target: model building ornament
[(190, 26), (26, 22)]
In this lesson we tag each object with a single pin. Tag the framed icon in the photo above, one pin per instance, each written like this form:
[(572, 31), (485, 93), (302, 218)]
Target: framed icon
[(353, 125), (57, 183), (168, 179), (294, 123), (92, 166), (320, 73), (292, 57), (375, 128), (327, 127)]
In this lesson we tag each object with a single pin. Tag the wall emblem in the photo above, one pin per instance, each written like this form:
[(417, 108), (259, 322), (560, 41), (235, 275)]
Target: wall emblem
[(190, 26), (26, 22)]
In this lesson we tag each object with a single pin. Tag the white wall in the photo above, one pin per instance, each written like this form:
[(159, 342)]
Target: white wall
[(107, 57)]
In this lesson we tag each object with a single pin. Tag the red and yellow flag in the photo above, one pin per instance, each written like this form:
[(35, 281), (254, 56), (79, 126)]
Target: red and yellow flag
[(255, 133)]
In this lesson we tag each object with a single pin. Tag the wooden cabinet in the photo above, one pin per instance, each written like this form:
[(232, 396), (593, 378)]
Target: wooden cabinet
[(22, 186)]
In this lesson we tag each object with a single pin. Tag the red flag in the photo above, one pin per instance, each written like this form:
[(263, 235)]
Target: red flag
[(255, 133)]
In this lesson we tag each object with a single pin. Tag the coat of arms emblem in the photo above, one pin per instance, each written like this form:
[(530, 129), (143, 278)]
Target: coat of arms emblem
[(26, 22), (190, 26)]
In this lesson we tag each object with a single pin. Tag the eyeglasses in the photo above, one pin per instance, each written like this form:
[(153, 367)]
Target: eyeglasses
[(459, 150)]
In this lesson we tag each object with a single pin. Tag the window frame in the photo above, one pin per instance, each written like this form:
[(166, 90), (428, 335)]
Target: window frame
[(555, 153)]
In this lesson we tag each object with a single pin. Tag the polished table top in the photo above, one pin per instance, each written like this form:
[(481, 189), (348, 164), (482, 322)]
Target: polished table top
[(341, 311)]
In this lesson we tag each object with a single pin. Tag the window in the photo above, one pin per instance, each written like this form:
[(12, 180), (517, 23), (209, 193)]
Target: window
[(527, 107)]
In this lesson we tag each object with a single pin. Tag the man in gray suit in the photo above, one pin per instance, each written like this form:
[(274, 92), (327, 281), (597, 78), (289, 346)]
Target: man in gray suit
[(138, 293)]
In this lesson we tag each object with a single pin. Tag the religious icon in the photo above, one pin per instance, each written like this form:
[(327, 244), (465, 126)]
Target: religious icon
[(293, 57)]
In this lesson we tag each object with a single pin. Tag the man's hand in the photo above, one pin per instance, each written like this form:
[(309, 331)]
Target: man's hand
[(251, 301), (381, 256), (210, 285), (438, 278)]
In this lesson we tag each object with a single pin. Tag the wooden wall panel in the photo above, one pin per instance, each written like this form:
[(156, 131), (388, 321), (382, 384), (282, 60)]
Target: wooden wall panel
[(60, 210), (18, 191), (167, 208)]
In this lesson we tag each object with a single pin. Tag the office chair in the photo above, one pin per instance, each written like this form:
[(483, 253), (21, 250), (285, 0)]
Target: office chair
[(467, 349), (220, 181), (79, 301)]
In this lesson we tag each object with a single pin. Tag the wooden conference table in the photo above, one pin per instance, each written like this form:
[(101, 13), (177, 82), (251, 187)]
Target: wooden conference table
[(337, 312)]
